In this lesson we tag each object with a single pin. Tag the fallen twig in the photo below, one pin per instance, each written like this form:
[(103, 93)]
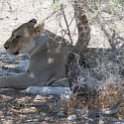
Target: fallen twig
[(48, 90)]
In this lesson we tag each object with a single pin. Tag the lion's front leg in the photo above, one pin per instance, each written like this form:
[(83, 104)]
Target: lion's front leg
[(19, 81)]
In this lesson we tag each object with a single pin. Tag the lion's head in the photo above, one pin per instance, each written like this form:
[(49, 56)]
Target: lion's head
[(23, 38)]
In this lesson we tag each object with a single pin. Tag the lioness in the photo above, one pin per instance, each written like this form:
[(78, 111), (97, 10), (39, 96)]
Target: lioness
[(48, 53)]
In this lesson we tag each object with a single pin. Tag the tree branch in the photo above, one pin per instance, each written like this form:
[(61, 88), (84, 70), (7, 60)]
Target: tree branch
[(66, 22)]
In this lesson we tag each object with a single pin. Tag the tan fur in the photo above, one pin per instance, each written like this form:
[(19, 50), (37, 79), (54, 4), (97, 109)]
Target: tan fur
[(48, 53)]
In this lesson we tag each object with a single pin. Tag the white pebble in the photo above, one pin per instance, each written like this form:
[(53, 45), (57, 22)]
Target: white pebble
[(72, 118)]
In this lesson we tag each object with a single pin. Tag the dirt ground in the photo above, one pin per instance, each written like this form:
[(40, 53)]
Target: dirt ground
[(18, 107)]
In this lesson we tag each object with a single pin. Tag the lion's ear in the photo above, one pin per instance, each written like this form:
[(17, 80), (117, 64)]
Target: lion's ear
[(39, 28), (31, 23)]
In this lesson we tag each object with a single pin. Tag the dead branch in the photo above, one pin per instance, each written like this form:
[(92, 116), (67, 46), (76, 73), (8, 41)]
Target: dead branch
[(114, 39), (66, 22), (51, 15)]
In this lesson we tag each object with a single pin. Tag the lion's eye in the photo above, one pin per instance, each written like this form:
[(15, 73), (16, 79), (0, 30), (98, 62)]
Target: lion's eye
[(17, 37)]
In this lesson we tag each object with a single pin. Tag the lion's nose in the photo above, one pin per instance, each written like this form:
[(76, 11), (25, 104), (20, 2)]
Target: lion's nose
[(6, 46)]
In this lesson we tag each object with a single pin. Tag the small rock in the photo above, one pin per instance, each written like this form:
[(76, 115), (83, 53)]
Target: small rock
[(65, 96), (43, 114), (32, 120), (101, 121), (72, 118), (60, 114), (46, 118), (90, 119), (39, 98), (51, 97)]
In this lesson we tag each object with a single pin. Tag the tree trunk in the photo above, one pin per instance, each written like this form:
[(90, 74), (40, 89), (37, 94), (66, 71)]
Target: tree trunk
[(82, 27)]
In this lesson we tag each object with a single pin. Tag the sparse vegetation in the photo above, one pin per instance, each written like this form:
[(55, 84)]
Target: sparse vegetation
[(95, 72)]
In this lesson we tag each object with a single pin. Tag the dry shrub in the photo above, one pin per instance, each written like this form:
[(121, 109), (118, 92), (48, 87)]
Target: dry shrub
[(99, 81)]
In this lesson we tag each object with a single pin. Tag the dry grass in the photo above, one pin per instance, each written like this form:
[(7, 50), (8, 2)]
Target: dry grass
[(111, 98)]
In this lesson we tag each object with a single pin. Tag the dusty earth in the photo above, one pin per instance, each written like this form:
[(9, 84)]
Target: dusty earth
[(18, 107)]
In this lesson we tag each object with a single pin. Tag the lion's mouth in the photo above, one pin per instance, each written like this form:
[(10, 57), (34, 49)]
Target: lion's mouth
[(16, 53)]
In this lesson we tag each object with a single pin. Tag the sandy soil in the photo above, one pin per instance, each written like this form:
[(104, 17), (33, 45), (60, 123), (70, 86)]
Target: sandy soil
[(17, 107)]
